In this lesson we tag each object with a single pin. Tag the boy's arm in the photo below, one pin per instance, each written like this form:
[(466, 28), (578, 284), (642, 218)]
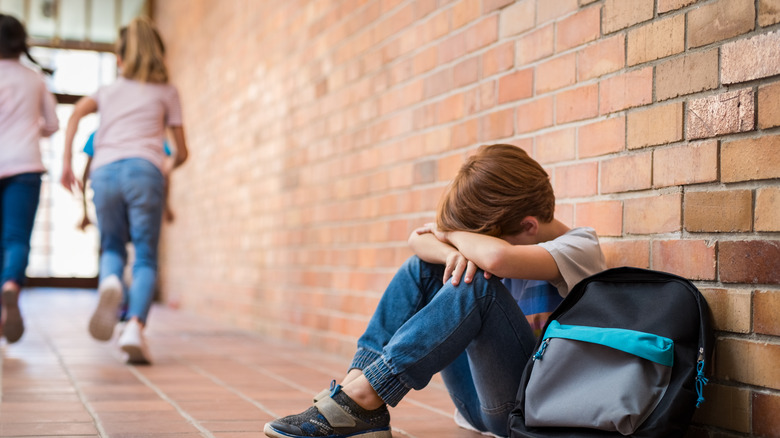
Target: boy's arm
[(499, 257), (432, 250)]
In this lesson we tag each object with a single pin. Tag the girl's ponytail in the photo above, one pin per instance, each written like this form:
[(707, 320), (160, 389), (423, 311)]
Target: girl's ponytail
[(142, 52), (13, 41)]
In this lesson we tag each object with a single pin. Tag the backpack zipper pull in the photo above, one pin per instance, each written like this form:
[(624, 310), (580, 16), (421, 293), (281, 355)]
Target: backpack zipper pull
[(538, 354), (700, 379)]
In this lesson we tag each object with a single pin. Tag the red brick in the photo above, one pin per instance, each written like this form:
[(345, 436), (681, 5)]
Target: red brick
[(671, 5), (578, 29), (769, 106), (766, 307), (551, 9), (488, 95), (464, 12), (492, 5), (626, 90), (720, 20), (577, 104), (535, 46), (719, 211), (556, 146), (750, 159), (556, 73), (605, 56), (652, 215), (724, 113), (766, 422), (658, 39), (659, 124), (626, 173), (516, 86), (748, 361), (606, 217), (535, 115), (498, 59), (482, 34), (687, 74), (565, 214), (466, 72), (450, 109), (499, 124), (425, 60), (746, 59), (767, 206), (518, 18), (454, 47), (620, 14), (730, 309), (634, 253), (576, 180), (602, 137), (749, 261), (768, 12), (688, 164), (692, 259), (465, 134), (438, 83)]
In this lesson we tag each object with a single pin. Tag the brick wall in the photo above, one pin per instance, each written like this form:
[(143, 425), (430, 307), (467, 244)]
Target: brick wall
[(323, 131)]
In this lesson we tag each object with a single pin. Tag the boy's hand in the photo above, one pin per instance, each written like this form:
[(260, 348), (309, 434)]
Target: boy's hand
[(431, 227)]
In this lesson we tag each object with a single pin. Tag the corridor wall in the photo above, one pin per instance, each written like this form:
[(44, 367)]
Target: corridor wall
[(323, 131)]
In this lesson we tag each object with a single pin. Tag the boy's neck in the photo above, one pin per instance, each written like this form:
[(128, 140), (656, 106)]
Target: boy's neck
[(551, 230)]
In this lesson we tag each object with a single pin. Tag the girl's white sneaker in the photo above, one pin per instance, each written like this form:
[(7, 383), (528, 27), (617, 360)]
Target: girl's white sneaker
[(133, 343)]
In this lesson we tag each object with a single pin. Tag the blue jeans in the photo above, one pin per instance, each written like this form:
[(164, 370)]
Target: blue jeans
[(19, 196), (129, 200), (474, 333)]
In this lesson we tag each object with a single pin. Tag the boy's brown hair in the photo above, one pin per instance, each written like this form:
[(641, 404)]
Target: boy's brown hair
[(494, 190)]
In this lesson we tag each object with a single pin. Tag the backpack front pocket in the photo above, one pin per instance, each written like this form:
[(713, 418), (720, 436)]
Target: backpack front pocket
[(601, 378)]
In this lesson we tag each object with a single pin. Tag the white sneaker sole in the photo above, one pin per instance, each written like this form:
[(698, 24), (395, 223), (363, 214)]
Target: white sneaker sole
[(136, 355), (101, 325)]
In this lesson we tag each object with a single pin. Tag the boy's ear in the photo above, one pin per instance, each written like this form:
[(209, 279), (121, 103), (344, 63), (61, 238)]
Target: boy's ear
[(530, 225)]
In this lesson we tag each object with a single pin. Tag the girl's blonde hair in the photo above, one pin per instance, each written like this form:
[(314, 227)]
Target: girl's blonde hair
[(142, 52), (494, 190)]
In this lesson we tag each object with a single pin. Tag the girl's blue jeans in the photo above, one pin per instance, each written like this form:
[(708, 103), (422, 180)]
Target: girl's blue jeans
[(19, 196), (474, 333), (129, 200)]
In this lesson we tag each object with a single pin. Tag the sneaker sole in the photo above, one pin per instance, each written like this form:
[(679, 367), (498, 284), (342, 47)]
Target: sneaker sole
[(136, 355), (14, 324), (101, 325), (386, 433)]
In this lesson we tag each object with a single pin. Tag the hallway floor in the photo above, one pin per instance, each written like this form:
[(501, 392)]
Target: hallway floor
[(208, 380)]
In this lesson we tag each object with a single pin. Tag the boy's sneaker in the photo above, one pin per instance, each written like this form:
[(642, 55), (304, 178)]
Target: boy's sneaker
[(461, 421), (101, 325), (13, 327), (334, 416), (133, 343)]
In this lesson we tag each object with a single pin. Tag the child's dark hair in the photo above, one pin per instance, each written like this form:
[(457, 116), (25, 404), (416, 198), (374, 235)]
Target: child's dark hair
[(13, 41)]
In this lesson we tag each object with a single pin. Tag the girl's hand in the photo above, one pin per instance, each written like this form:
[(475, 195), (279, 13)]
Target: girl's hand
[(431, 227), (68, 179)]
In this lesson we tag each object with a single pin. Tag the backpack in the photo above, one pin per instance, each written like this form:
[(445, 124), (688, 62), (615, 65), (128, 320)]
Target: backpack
[(623, 355)]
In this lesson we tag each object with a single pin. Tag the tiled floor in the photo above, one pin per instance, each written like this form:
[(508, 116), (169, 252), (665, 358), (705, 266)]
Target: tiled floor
[(208, 380)]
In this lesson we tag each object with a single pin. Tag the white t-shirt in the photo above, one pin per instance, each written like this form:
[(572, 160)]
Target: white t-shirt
[(27, 112), (133, 118)]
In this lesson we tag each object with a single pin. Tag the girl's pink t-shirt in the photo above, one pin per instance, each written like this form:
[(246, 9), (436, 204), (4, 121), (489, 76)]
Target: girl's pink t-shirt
[(133, 118), (27, 112)]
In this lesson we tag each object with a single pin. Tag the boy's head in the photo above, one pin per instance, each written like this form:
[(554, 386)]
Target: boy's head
[(495, 189)]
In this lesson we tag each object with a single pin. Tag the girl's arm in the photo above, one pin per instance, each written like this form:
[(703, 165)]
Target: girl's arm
[(51, 123), (84, 106), (501, 258), (181, 153)]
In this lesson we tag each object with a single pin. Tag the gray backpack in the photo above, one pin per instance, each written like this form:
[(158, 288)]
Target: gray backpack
[(624, 354)]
